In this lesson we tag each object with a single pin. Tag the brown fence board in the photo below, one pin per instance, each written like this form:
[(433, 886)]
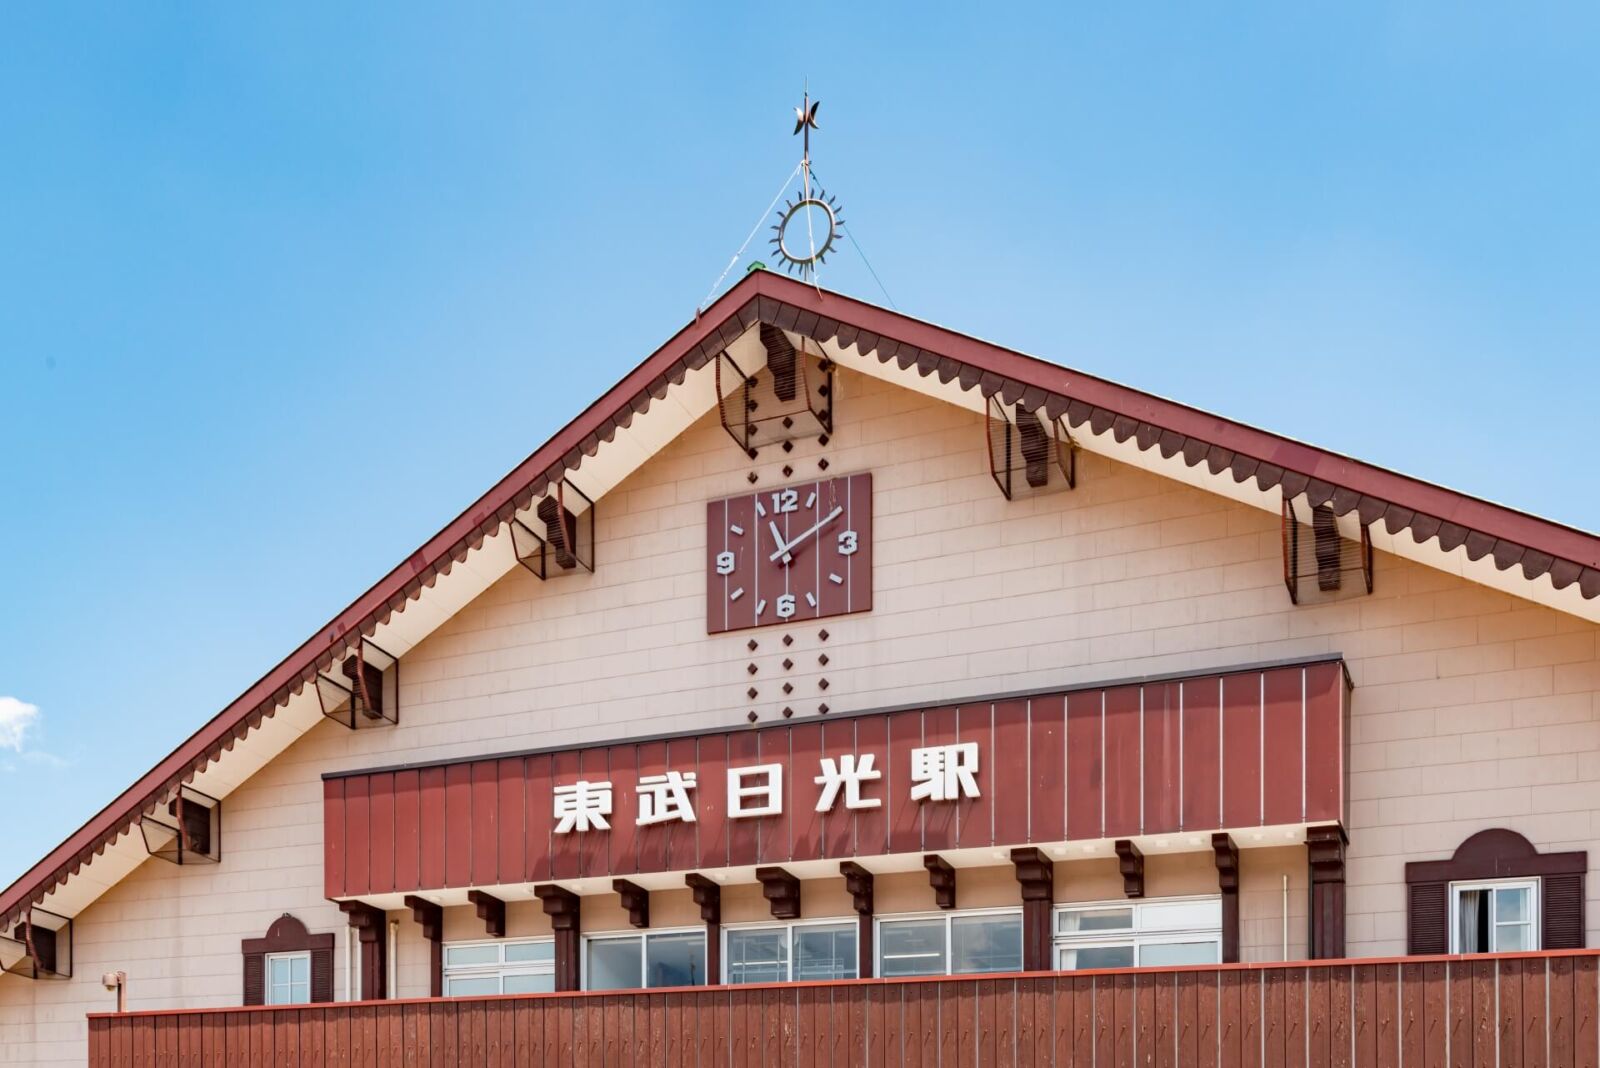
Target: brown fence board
[(1509, 1011)]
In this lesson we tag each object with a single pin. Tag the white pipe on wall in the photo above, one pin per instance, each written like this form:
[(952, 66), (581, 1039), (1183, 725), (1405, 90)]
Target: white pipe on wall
[(393, 954), (1285, 917)]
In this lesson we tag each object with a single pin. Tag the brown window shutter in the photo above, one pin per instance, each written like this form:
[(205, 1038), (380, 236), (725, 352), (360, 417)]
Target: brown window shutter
[(321, 975), (255, 978), (1563, 911), (1428, 918)]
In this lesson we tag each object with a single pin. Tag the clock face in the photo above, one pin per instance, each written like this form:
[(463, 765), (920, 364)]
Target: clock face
[(788, 555)]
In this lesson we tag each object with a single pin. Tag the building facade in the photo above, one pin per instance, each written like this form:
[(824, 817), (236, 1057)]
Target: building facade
[(834, 645)]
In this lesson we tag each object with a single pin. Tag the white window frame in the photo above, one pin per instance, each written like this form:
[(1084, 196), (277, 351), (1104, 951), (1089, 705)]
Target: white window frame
[(788, 927), (499, 969), (947, 915), (1135, 935), (266, 968), (642, 936), (1535, 916)]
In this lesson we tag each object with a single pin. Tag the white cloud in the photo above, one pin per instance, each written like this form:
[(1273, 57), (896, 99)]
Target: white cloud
[(15, 719)]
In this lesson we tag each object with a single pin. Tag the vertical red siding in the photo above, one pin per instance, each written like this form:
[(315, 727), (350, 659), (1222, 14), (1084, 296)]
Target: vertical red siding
[(539, 817), (1283, 719), (1202, 748), (975, 815), (512, 809), (1085, 777), (381, 842), (1241, 750), (358, 831), (333, 837), (772, 832), (805, 822), (564, 848), (1324, 741), (1011, 790), (432, 823), (713, 762), (939, 728), (458, 825), (622, 843), (905, 815), (1122, 770), (869, 828), (407, 830), (1047, 741), (1162, 779)]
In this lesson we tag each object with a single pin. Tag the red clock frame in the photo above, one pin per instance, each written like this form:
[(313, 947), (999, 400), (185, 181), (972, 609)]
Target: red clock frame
[(789, 555)]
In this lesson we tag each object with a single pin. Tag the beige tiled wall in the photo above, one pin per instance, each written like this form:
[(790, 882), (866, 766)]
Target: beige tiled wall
[(1471, 708)]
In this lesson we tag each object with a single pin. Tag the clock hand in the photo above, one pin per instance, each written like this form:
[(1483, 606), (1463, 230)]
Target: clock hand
[(818, 525), (777, 539)]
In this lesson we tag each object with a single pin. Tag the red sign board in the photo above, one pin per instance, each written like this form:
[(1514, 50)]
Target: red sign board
[(1248, 748)]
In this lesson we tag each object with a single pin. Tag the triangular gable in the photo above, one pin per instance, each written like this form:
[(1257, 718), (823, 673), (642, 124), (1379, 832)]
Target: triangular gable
[(1497, 546)]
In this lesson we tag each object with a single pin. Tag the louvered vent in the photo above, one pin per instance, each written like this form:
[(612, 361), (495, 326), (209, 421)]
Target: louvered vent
[(1563, 911), (1428, 918), (362, 688), (790, 400), (1029, 454), (1319, 562), (557, 536)]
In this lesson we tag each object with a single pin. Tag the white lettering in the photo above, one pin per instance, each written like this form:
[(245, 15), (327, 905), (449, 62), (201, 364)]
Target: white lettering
[(944, 772), (742, 796), (663, 798), (849, 772), (582, 806)]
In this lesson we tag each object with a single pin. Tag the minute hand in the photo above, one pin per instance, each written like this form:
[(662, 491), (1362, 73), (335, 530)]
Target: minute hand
[(784, 549)]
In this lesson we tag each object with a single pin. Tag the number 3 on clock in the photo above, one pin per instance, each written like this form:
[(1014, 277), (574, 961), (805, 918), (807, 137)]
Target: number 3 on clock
[(788, 555)]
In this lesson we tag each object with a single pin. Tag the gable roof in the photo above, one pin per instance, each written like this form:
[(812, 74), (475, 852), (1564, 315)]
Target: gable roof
[(1553, 564)]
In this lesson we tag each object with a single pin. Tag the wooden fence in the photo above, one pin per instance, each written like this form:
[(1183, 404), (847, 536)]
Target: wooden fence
[(1510, 1011)]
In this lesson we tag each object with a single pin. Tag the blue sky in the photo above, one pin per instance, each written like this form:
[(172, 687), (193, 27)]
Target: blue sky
[(286, 287)]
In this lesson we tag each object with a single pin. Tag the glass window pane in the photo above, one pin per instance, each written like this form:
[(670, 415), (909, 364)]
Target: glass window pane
[(1083, 921), (1511, 904), (614, 964), (985, 944), (825, 952), (1510, 937), (530, 951), (760, 956), (530, 984), (278, 973), (1471, 921), (1086, 957), (911, 947), (675, 959), (299, 969), (472, 985), (1170, 953), (458, 956), (1180, 915)]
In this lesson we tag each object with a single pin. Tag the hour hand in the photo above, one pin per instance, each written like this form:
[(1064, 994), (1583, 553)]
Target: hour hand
[(782, 549)]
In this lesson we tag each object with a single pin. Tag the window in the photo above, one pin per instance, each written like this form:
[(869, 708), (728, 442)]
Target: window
[(1494, 917), (1147, 934), (629, 962), (776, 954), (952, 944), (526, 966), (288, 978)]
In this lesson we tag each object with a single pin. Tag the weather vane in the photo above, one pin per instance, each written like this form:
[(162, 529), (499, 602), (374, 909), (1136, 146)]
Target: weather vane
[(813, 204)]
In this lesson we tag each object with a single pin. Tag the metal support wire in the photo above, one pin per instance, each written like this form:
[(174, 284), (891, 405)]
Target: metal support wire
[(753, 231)]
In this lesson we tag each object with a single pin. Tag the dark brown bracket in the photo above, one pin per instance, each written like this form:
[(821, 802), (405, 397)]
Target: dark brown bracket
[(565, 911), (782, 890), (431, 917), (1325, 855), (943, 879), (1131, 862), (491, 910), (1227, 857), (858, 881), (368, 922), (635, 899), (708, 895), (1036, 874)]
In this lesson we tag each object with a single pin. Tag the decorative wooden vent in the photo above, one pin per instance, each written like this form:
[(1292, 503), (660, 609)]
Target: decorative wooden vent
[(187, 831), (1320, 563), (793, 400), (1029, 453), (39, 947), (558, 537), (363, 689)]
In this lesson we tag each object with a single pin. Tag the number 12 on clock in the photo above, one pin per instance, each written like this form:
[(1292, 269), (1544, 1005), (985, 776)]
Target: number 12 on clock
[(791, 554)]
